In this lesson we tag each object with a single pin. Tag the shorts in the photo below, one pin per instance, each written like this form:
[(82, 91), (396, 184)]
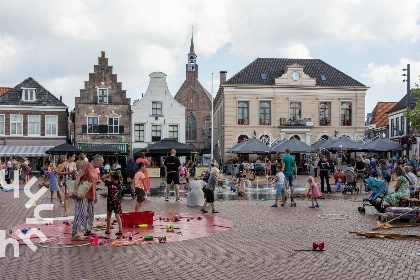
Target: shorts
[(141, 196), (209, 195), (289, 178), (172, 178), (360, 175), (281, 189), (339, 159)]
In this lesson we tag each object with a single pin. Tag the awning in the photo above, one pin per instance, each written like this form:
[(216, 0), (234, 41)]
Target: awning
[(27, 151)]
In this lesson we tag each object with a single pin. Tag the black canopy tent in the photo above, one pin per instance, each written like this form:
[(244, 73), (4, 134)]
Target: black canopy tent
[(103, 149), (164, 147), (383, 145), (63, 149), (346, 143), (251, 146), (318, 144), (294, 145)]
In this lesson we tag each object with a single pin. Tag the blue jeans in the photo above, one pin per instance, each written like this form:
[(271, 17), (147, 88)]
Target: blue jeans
[(289, 178)]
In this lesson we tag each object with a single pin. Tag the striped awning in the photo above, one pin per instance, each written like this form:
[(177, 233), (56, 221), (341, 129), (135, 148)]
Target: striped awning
[(27, 151)]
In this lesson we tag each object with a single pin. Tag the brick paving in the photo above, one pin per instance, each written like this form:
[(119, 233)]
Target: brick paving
[(256, 247)]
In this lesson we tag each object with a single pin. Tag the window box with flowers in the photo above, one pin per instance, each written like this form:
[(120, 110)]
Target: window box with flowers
[(408, 139)]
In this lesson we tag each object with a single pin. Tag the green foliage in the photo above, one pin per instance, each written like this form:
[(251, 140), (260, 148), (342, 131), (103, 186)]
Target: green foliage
[(414, 114)]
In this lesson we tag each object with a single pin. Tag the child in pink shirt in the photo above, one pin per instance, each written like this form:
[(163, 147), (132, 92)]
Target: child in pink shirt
[(316, 193), (140, 187)]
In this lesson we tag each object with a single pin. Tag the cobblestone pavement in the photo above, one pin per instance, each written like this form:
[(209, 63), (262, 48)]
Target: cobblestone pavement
[(257, 247)]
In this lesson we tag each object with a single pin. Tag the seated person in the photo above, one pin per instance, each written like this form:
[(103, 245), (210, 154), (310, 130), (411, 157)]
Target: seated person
[(401, 188), (196, 196), (413, 179)]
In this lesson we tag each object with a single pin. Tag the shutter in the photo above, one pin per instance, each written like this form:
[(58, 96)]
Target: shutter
[(95, 99), (103, 128), (109, 99), (84, 128), (121, 129)]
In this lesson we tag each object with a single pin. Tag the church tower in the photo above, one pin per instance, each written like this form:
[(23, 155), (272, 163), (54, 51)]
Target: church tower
[(197, 102)]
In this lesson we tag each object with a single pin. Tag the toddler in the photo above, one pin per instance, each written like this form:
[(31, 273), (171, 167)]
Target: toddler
[(113, 200), (316, 193), (53, 177)]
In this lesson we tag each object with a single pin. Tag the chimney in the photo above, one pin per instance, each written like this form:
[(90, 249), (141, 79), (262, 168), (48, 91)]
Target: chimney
[(102, 54), (223, 77)]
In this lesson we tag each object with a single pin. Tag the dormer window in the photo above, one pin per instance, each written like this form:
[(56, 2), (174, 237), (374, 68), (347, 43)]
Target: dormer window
[(102, 95), (28, 94)]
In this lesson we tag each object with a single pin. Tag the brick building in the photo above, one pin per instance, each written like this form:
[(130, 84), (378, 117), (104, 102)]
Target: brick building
[(197, 102), (377, 126), (102, 112), (32, 120)]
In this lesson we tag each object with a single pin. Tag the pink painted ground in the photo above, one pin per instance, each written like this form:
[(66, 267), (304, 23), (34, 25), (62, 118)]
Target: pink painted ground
[(59, 233)]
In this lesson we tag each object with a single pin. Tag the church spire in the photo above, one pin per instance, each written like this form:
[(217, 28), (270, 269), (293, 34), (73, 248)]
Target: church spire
[(192, 41), (192, 56)]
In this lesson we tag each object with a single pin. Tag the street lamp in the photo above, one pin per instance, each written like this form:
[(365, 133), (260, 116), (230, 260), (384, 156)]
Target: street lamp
[(212, 120), (408, 103)]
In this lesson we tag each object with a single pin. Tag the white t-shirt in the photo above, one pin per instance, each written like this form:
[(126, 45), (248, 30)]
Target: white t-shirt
[(280, 177)]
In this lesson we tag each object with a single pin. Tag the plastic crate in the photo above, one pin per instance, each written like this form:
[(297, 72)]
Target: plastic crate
[(137, 218)]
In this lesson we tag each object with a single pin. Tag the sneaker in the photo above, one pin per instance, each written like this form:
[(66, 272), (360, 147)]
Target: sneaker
[(177, 199), (282, 205), (274, 205), (62, 202), (317, 205), (166, 198), (214, 211), (204, 210), (311, 206)]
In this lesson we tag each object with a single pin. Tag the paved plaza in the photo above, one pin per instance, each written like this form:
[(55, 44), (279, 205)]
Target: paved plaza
[(258, 246)]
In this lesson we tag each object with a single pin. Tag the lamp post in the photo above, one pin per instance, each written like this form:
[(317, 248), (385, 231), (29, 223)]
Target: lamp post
[(408, 104), (212, 124)]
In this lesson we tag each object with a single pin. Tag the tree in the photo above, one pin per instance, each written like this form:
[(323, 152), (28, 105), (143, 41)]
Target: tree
[(414, 114)]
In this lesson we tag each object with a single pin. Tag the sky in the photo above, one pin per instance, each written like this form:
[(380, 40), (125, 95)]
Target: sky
[(58, 42)]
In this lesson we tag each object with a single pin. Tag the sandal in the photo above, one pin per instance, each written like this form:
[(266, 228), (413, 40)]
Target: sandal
[(204, 210), (119, 233), (89, 233), (65, 215), (214, 211), (107, 232), (74, 235)]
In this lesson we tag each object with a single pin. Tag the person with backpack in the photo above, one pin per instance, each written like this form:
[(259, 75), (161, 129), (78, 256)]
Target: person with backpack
[(130, 171), (146, 163)]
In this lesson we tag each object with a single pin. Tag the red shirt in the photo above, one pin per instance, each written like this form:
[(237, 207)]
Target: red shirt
[(92, 177)]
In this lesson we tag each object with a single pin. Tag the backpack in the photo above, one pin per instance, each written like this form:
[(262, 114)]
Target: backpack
[(131, 169)]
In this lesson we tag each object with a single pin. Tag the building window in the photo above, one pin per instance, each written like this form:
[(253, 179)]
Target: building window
[(325, 113), (397, 125), (139, 132), (28, 94), (51, 125), (243, 112), (16, 125), (392, 128), (157, 108), (173, 132), (113, 124), (265, 113), (346, 113), (2, 124), (93, 125), (295, 110), (402, 124), (156, 133), (191, 128), (102, 95), (34, 125)]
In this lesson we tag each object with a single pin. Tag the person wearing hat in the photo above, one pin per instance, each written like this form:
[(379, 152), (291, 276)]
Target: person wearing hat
[(339, 156)]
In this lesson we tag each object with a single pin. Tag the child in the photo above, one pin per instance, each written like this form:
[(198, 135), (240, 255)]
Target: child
[(182, 172), (209, 190), (187, 178), (53, 176), (316, 193), (114, 200), (281, 187), (140, 187), (386, 175)]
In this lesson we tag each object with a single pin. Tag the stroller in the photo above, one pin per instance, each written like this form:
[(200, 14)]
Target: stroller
[(350, 185), (379, 190), (126, 185)]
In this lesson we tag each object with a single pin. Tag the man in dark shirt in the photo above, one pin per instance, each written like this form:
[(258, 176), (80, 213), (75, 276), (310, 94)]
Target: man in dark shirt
[(172, 168), (360, 169)]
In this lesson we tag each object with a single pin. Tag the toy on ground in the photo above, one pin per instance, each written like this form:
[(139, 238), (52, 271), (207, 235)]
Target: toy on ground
[(316, 247), (398, 215), (384, 235), (379, 190)]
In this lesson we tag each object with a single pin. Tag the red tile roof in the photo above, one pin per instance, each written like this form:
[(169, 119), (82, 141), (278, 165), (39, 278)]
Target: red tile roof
[(380, 116), (3, 90)]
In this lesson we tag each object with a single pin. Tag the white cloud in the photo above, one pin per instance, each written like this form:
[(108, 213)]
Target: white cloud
[(296, 51), (9, 58)]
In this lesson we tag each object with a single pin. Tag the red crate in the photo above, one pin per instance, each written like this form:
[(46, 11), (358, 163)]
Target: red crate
[(137, 218)]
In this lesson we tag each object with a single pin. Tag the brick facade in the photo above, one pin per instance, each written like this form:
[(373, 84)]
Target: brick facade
[(115, 105)]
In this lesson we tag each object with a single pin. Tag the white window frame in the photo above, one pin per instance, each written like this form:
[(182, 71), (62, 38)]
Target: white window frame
[(113, 125), (39, 122), (151, 130), (33, 90), (144, 132), (47, 123), (16, 123), (100, 96), (3, 124), (161, 108), (87, 125), (177, 131)]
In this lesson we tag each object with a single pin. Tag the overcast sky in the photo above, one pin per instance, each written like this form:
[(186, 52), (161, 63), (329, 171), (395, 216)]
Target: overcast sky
[(58, 42)]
